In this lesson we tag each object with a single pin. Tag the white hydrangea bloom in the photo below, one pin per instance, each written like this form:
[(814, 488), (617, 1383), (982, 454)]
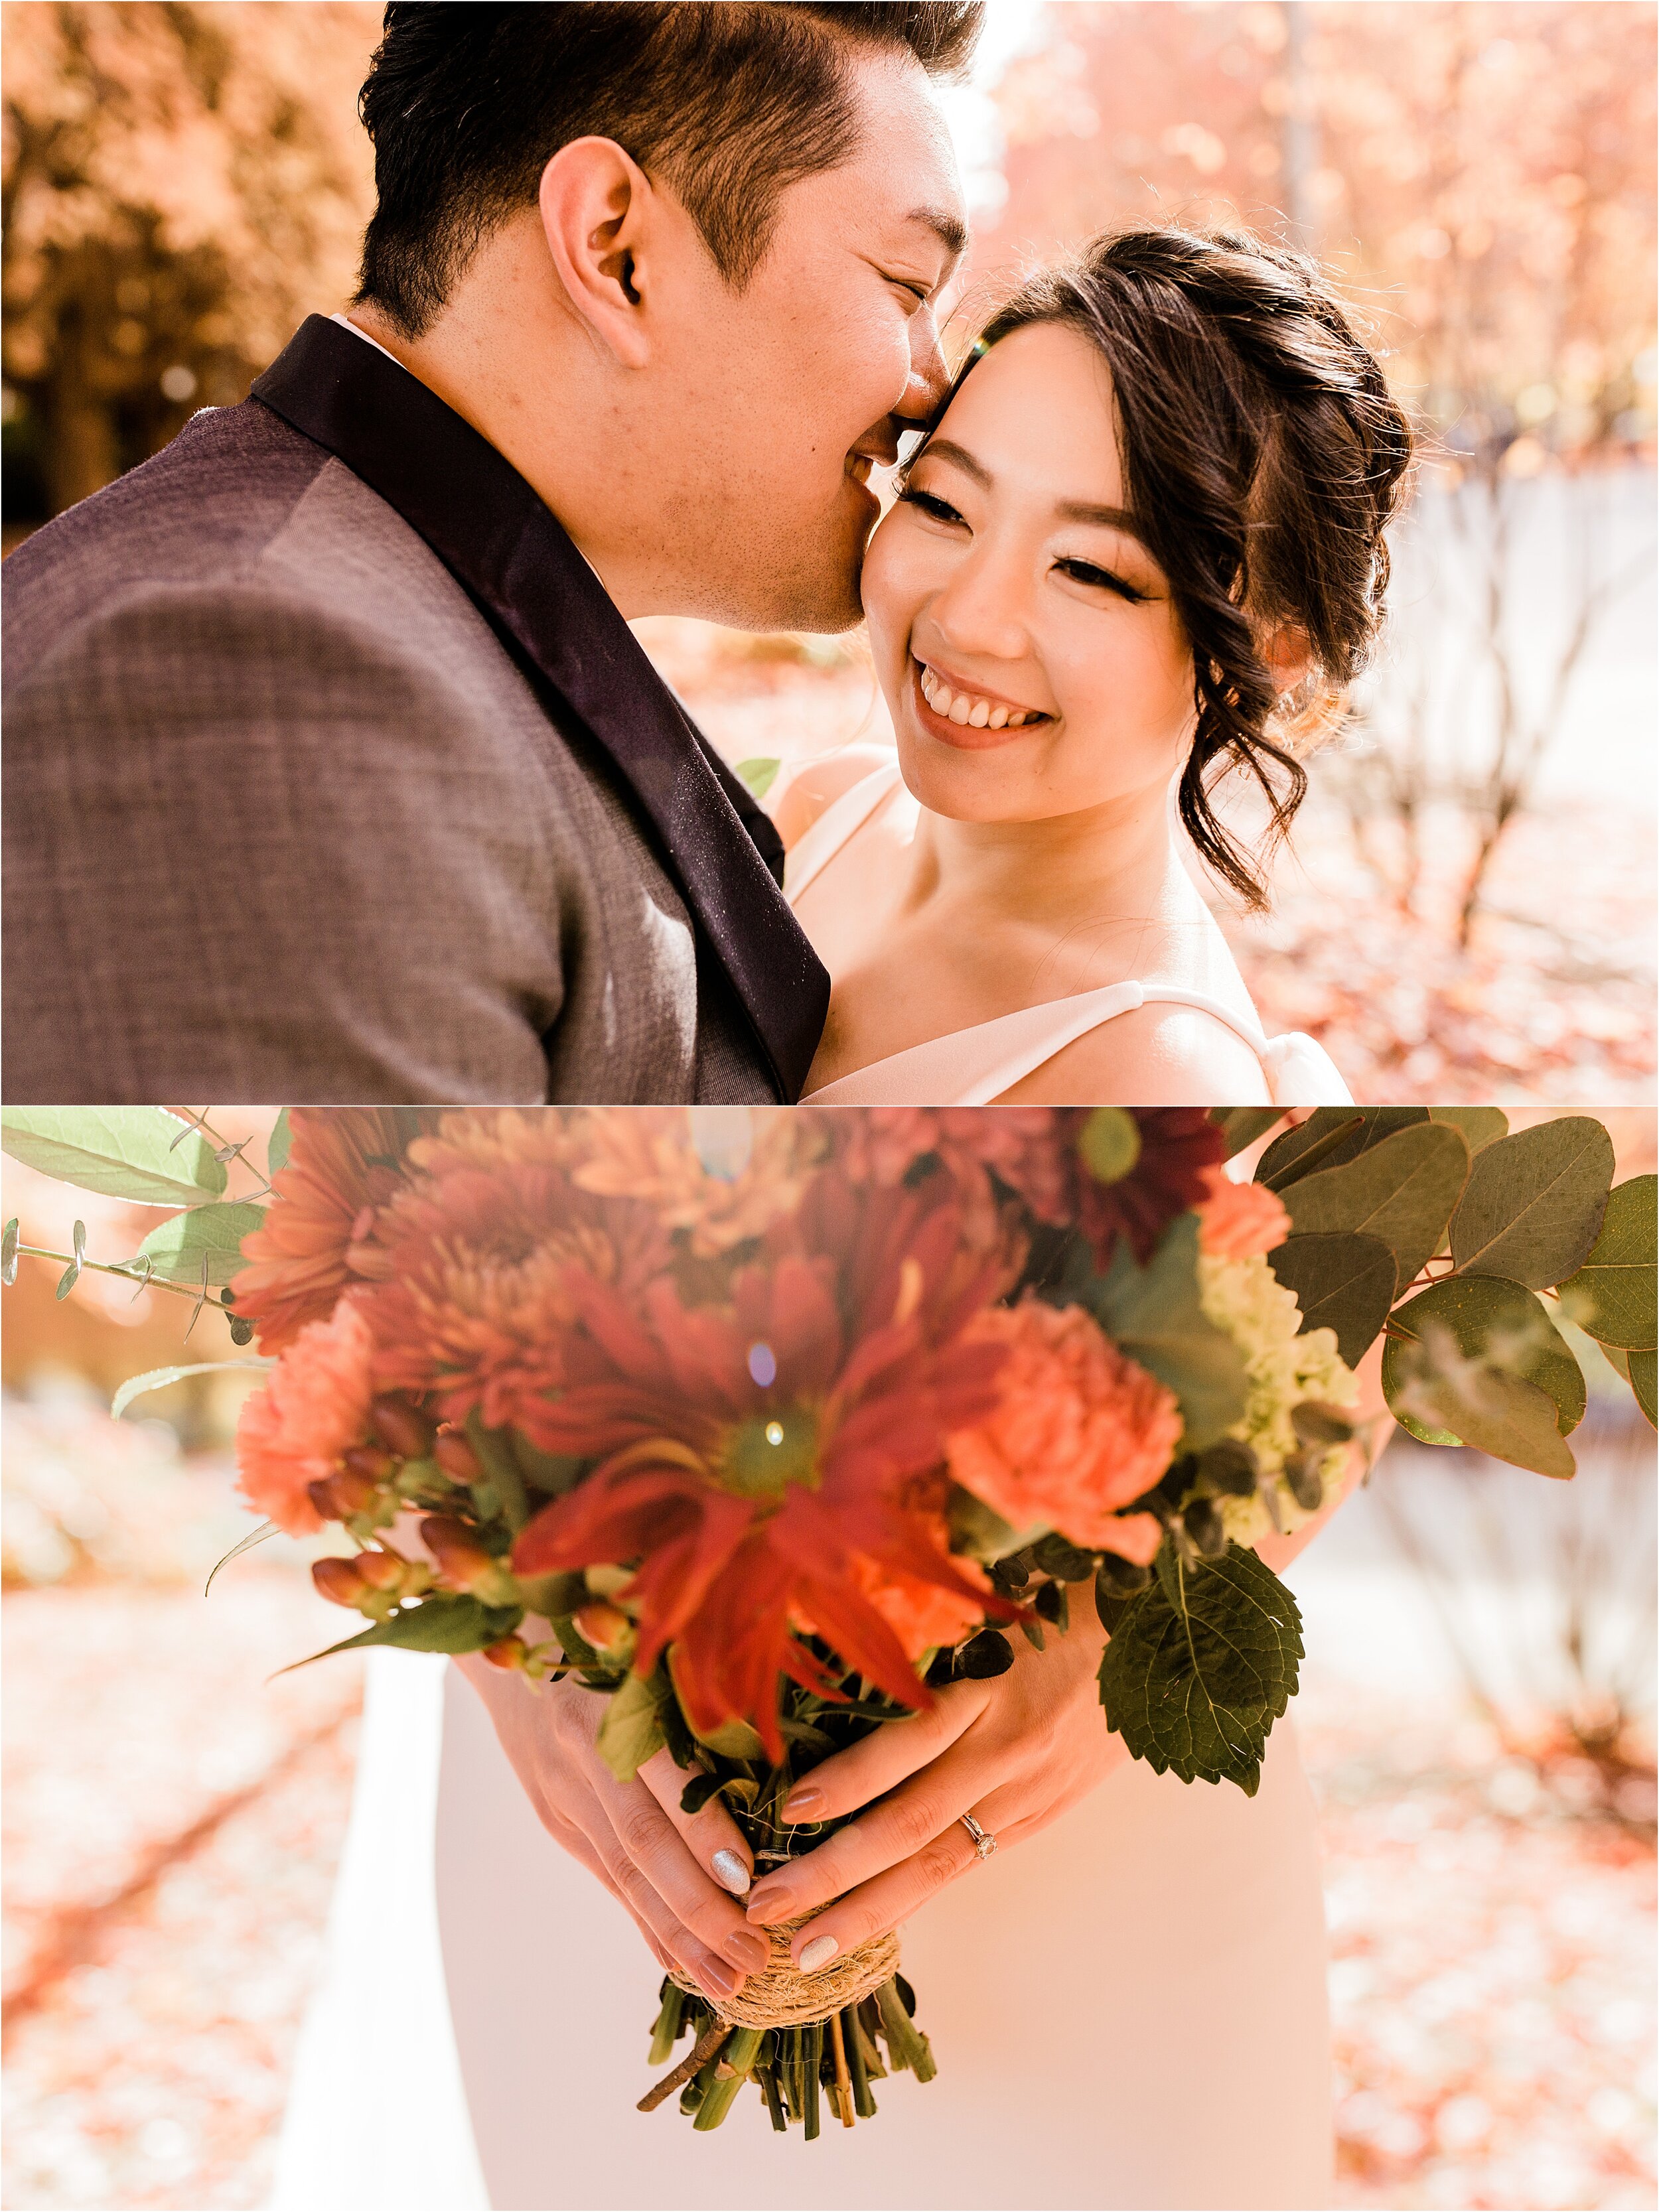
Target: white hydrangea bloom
[(1245, 1298)]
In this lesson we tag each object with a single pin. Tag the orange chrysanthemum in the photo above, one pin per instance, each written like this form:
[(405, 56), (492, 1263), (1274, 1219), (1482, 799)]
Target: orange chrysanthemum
[(721, 1174), (476, 1250), (1238, 1219), (924, 1616), (314, 1407), (1078, 1431), (343, 1163)]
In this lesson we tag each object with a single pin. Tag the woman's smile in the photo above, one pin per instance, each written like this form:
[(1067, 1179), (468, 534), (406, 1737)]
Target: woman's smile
[(963, 713)]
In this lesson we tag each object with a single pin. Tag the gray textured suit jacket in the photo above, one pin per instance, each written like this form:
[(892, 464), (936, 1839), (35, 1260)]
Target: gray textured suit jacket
[(330, 774)]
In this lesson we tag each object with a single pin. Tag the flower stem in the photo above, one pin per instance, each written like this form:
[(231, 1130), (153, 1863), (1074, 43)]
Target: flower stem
[(739, 2056)]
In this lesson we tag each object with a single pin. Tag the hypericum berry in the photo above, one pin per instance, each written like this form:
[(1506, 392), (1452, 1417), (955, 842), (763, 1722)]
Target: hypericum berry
[(338, 1580), (510, 1651), (457, 1457), (382, 1570), (605, 1628), (370, 1462), (401, 1427)]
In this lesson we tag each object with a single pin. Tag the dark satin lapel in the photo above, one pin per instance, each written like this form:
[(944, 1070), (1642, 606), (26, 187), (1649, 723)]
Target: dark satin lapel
[(497, 537)]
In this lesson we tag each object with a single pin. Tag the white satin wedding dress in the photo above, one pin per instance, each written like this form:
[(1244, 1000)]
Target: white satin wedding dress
[(1127, 2011)]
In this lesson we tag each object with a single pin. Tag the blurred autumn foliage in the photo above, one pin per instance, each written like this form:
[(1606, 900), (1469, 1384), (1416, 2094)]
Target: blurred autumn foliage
[(1479, 173), (182, 185)]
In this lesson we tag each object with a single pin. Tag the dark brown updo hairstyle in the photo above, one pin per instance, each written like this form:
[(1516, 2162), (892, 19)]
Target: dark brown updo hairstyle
[(1264, 458)]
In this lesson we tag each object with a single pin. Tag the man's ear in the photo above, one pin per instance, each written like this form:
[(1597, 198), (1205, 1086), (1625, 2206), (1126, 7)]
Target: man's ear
[(596, 208)]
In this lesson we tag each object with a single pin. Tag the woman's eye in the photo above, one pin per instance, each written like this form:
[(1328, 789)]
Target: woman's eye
[(936, 509), (1086, 572)]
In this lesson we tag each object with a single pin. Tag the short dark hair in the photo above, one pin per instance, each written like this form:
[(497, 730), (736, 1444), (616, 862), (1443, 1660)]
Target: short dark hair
[(729, 102), (1264, 458)]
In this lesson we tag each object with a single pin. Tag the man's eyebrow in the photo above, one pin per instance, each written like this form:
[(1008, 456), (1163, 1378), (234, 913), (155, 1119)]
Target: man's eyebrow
[(947, 227), (1068, 510)]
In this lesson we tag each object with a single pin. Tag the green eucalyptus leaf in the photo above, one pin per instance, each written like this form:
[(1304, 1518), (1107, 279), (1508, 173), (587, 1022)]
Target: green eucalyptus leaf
[(177, 1248), (1154, 1315), (632, 1731), (282, 1136), (1342, 1282), (1201, 1664), (1482, 1125), (1331, 1136), (759, 775), (449, 1624), (1401, 1189), (1479, 1362), (8, 1253), (160, 1379), (1531, 1209), (1612, 1297), (262, 1534), (1644, 1369), (125, 1152), (1240, 1126)]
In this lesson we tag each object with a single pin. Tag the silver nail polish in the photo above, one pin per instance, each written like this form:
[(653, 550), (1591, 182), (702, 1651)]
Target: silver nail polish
[(731, 1872), (818, 1953)]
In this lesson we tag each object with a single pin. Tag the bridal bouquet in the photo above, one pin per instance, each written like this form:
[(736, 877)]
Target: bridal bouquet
[(767, 1424)]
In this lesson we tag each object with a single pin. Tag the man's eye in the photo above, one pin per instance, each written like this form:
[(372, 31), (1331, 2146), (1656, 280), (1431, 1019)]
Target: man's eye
[(1086, 572), (936, 509)]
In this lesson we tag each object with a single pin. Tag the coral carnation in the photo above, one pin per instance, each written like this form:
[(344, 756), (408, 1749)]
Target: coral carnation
[(1239, 1218), (1078, 1431), (343, 1163), (314, 1407)]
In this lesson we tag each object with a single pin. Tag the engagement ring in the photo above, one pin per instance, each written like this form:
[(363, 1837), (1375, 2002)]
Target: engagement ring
[(984, 1842)]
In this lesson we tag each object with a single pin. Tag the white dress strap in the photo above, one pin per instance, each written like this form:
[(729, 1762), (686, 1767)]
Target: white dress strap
[(839, 823), (972, 1066)]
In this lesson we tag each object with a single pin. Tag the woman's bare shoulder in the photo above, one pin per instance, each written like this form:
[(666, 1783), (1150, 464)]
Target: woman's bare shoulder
[(803, 795), (1157, 1055)]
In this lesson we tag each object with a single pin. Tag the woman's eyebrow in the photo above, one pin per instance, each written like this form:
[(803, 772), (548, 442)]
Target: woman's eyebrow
[(1068, 510)]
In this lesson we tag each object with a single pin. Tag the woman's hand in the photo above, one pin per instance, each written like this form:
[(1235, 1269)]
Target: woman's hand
[(679, 1875), (1015, 1752)]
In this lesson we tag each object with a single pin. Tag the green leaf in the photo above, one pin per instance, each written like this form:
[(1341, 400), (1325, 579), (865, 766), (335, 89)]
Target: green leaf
[(1329, 1138), (125, 1152), (1531, 1209), (437, 1624), (759, 775), (500, 1463), (177, 1248), (1612, 1297), (698, 1791), (1154, 1315), (1201, 1665), (1342, 1282), (159, 1378), (1645, 1381), (1240, 1126), (1401, 1189), (8, 1253), (1479, 1362), (282, 1136), (631, 1731), (1482, 1125)]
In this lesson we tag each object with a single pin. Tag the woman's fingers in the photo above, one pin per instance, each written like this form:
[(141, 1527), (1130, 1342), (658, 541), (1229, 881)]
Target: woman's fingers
[(658, 1850), (879, 1761), (712, 1835), (874, 1907), (884, 1835)]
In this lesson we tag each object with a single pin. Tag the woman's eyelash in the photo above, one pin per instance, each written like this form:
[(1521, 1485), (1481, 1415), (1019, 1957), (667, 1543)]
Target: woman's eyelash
[(938, 508), (1086, 572)]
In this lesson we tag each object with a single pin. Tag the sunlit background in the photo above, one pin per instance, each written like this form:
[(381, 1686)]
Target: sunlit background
[(1467, 911), (1476, 1717)]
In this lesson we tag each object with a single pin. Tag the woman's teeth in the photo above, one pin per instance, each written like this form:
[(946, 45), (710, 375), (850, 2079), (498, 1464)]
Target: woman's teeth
[(969, 712)]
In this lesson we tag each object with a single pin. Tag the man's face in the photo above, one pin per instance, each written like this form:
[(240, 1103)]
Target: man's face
[(785, 394)]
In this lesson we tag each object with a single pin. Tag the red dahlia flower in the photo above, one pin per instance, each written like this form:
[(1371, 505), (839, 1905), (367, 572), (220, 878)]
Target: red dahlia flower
[(1177, 1145), (754, 1453), (343, 1163)]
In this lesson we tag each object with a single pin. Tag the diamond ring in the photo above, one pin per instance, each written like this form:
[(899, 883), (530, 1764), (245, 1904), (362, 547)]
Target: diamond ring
[(984, 1842)]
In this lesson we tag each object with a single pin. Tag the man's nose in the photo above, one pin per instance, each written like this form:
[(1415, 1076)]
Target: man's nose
[(929, 378)]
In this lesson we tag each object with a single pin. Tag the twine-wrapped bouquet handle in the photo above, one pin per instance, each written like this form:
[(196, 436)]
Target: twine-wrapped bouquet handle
[(781, 1996)]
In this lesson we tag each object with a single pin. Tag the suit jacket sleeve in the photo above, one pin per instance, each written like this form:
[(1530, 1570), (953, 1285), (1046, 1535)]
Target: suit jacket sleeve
[(295, 839)]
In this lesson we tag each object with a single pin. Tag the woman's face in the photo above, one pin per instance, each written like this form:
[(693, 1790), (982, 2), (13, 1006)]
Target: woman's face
[(1010, 582)]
